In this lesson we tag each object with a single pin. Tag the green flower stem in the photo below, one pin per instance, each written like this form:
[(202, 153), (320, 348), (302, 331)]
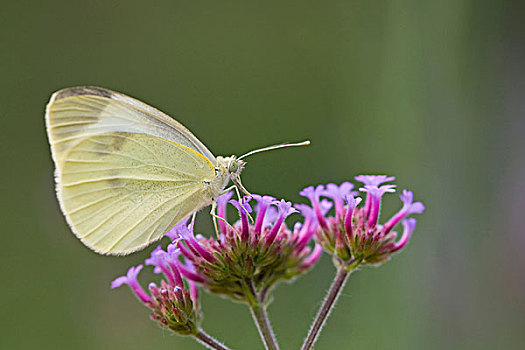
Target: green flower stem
[(263, 325), (331, 297), (208, 341), (260, 317)]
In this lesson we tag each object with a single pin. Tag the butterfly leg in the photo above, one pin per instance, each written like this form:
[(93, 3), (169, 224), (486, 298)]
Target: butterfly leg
[(236, 188), (227, 190), (213, 213), (214, 216), (238, 184), (193, 218)]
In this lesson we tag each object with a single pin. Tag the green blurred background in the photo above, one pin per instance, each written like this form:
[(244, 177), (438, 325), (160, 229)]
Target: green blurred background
[(431, 92)]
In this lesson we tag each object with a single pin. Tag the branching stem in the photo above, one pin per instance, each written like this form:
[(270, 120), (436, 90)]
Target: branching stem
[(331, 297), (260, 317), (208, 341)]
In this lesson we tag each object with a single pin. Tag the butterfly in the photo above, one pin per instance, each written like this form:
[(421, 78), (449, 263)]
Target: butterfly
[(126, 173)]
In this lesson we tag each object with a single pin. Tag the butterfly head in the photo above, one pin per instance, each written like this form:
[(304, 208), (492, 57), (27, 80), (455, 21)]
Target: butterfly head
[(232, 168), (235, 166)]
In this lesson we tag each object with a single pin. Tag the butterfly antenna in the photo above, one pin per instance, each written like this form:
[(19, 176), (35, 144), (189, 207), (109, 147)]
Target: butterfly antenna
[(269, 148)]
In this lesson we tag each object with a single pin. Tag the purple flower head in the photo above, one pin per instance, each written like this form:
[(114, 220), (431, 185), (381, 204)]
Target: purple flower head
[(171, 302), (131, 280), (353, 234), (264, 252)]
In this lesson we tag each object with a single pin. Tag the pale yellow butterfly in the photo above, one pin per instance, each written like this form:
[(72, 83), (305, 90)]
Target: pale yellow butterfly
[(126, 173)]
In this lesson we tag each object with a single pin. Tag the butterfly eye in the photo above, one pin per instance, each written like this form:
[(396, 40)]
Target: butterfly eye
[(216, 171), (233, 167)]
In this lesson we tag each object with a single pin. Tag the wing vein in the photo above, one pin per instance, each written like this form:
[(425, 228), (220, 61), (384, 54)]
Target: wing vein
[(149, 214), (80, 222)]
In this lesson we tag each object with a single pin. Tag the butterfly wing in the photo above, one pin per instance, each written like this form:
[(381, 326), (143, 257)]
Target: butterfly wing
[(125, 172), (122, 191), (75, 113)]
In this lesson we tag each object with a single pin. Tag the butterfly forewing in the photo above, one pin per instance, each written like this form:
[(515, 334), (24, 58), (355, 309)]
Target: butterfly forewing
[(75, 113)]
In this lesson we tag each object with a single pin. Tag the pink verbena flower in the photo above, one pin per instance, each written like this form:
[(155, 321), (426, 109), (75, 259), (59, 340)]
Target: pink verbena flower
[(172, 303), (353, 235), (261, 253)]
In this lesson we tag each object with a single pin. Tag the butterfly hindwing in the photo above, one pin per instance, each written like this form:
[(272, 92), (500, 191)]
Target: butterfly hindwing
[(121, 191)]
